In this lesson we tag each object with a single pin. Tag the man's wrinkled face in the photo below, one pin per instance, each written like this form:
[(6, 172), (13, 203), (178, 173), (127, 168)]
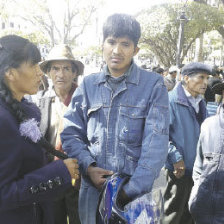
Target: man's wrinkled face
[(61, 74), (196, 84), (118, 54)]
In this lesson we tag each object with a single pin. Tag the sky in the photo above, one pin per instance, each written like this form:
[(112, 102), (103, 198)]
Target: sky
[(118, 6), (110, 7), (129, 6)]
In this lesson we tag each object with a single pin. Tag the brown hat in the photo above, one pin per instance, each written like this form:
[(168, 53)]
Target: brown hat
[(61, 52)]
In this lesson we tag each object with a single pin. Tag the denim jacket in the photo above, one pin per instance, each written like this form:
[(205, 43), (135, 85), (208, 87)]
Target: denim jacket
[(207, 196), (125, 131), (184, 129)]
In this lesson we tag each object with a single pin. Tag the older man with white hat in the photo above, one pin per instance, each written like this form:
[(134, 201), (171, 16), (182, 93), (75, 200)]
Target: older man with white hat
[(170, 79), (62, 68)]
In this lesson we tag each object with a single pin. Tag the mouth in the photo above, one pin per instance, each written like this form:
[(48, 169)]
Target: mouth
[(116, 59), (59, 81)]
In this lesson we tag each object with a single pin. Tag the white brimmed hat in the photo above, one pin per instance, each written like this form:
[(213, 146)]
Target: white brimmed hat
[(61, 52)]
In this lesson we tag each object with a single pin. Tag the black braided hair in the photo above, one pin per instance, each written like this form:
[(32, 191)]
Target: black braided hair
[(14, 51)]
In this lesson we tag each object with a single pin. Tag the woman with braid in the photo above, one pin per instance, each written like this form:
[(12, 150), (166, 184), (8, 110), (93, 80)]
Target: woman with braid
[(27, 186)]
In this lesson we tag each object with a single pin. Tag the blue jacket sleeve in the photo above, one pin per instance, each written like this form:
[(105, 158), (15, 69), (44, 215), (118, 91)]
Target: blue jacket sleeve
[(154, 144), (174, 154), (74, 136)]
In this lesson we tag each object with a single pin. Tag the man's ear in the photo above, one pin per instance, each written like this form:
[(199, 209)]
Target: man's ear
[(186, 78), (10, 74), (136, 50)]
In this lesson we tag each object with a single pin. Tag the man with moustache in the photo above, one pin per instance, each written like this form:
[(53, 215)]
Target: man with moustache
[(117, 121), (63, 70)]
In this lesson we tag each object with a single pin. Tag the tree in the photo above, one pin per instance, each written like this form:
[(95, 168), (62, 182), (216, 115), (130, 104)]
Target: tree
[(65, 26), (160, 26)]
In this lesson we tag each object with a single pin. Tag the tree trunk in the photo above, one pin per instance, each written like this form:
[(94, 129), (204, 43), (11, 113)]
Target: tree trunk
[(199, 49)]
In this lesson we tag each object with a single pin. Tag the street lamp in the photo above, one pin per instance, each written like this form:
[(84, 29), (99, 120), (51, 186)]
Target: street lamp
[(180, 40)]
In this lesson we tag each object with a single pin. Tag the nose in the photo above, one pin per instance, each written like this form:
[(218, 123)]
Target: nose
[(60, 73), (39, 71), (117, 49)]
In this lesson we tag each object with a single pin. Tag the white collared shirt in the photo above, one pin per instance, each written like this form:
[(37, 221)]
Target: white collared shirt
[(193, 100)]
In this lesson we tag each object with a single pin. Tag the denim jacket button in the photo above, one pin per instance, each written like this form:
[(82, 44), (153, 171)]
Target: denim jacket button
[(125, 130)]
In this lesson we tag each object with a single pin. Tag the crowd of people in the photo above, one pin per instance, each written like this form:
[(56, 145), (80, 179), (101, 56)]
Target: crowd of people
[(122, 120)]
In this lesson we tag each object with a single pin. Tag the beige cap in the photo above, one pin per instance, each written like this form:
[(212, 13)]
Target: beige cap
[(61, 52)]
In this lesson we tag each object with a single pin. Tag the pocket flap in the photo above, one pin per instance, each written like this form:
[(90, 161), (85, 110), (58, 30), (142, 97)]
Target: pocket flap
[(93, 109), (133, 112)]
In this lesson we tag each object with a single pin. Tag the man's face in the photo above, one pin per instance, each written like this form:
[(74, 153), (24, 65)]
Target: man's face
[(196, 84), (118, 53), (62, 75)]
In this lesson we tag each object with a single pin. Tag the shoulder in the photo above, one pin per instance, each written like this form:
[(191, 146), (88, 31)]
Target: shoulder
[(31, 109), (173, 95), (8, 123), (147, 78), (94, 78), (209, 122)]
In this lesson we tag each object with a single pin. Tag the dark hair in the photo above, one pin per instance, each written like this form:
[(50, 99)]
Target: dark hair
[(120, 25), (14, 51), (158, 70)]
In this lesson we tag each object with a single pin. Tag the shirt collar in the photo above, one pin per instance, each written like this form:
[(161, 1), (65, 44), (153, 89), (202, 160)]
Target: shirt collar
[(197, 99), (126, 74), (132, 77)]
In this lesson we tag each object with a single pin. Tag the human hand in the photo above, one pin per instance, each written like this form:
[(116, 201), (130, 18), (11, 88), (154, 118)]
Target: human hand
[(73, 167), (179, 169), (98, 175)]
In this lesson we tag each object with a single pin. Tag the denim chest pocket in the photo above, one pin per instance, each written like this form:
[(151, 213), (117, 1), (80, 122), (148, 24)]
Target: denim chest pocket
[(131, 123)]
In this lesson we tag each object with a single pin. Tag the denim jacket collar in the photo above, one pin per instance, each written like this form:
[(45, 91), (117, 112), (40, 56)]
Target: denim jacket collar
[(182, 99), (133, 78), (181, 96)]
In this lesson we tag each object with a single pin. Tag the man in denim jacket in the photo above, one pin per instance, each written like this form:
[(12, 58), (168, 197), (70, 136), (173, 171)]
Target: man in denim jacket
[(118, 120)]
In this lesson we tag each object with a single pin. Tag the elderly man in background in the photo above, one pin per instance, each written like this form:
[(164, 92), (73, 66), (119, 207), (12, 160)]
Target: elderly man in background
[(63, 70), (187, 112), (170, 79)]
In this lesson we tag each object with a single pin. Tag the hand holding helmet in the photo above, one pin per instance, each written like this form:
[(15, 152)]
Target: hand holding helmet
[(98, 175)]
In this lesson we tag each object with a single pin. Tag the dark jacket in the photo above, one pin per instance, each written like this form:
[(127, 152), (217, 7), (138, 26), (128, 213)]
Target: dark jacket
[(26, 185)]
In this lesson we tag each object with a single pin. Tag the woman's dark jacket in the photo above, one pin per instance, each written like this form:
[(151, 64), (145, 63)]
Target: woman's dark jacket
[(27, 186)]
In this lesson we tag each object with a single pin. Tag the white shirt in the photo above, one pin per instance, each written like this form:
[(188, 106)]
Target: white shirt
[(193, 100)]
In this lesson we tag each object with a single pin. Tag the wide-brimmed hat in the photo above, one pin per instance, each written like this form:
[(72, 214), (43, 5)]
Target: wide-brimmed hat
[(218, 88), (61, 52)]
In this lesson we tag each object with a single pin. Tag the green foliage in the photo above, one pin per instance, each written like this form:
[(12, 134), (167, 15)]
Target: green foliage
[(160, 28)]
